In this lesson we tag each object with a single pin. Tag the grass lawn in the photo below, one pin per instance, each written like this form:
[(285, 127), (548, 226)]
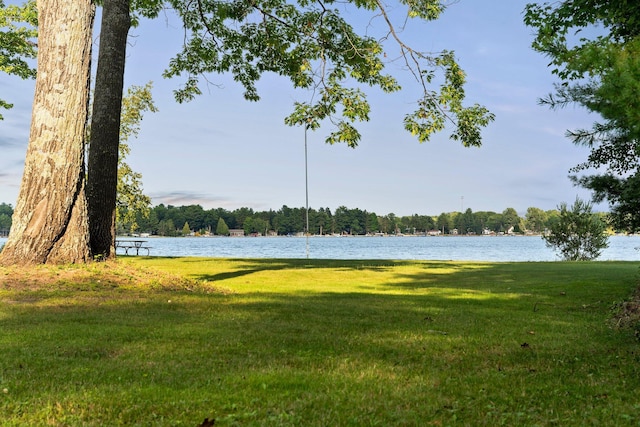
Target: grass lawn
[(172, 341)]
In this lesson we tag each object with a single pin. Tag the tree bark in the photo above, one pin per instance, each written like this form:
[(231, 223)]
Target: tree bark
[(50, 219), (102, 178)]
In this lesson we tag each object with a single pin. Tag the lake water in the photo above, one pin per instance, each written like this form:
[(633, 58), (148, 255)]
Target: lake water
[(471, 248)]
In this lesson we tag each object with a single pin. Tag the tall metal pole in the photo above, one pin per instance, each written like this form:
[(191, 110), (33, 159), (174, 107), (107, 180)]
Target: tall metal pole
[(306, 187)]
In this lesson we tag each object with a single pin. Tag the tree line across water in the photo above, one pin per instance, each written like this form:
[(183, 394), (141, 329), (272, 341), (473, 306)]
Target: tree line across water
[(186, 220), (182, 220)]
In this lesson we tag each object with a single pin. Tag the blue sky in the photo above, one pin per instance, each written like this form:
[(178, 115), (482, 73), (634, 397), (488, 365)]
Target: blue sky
[(222, 151)]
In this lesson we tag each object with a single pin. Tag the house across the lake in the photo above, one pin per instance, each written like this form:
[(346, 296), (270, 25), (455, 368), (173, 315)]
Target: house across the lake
[(236, 232)]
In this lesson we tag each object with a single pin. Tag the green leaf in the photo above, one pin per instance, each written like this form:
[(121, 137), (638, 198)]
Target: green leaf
[(316, 48)]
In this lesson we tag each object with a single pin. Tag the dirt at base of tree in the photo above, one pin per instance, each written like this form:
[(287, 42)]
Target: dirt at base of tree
[(96, 276)]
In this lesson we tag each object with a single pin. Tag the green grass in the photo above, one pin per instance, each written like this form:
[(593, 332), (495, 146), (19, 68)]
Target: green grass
[(319, 343)]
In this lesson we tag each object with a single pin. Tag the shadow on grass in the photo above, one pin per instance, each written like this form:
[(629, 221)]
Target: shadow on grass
[(264, 331)]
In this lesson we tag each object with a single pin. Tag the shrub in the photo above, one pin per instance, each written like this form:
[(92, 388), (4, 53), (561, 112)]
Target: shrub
[(579, 234)]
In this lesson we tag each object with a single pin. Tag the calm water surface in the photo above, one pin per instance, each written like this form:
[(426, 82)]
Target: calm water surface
[(474, 248)]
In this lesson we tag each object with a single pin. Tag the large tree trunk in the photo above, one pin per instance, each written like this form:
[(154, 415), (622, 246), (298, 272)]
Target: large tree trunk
[(102, 179), (50, 219)]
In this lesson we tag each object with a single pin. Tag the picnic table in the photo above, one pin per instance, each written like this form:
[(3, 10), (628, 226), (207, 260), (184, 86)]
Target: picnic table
[(136, 245)]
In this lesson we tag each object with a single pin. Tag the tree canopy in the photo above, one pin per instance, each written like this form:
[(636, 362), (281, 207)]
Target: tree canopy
[(594, 49), (17, 41), (317, 48), (130, 199)]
